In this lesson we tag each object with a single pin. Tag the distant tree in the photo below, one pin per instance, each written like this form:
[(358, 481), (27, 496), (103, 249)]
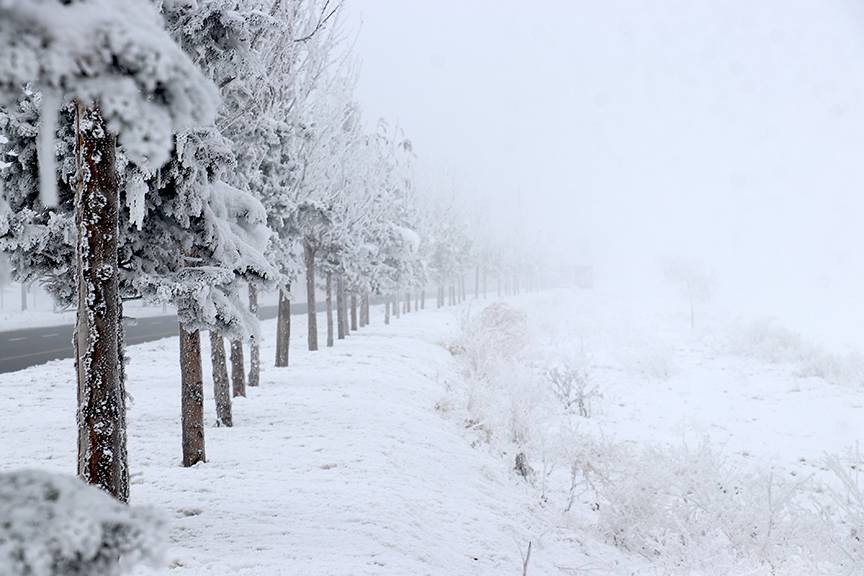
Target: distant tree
[(693, 282)]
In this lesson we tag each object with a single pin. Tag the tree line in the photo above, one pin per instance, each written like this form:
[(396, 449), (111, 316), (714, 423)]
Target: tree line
[(197, 154)]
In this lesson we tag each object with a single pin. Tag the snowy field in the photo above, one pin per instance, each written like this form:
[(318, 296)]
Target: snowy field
[(382, 456)]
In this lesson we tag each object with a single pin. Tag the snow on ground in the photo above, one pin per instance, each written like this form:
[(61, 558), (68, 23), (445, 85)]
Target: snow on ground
[(662, 381), (358, 460), (339, 464)]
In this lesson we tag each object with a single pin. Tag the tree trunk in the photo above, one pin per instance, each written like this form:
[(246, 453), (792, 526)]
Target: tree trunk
[(221, 387), (345, 315), (192, 397), (365, 308), (254, 351), (407, 302), (311, 308), (387, 309), (423, 299), (238, 371), (353, 312), (329, 301), (396, 310), (23, 297), (98, 331), (283, 327), (340, 308)]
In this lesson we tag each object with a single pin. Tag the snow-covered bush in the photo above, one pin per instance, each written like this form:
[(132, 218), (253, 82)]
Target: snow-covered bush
[(571, 383), (52, 525), (771, 342), (691, 512), (845, 514), (656, 362), (499, 332), (845, 370)]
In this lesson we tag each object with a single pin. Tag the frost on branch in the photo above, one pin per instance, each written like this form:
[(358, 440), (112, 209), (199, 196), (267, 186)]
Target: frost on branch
[(115, 52), (52, 525)]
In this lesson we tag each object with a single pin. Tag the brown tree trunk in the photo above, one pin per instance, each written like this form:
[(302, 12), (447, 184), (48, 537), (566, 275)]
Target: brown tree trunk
[(311, 307), (340, 308), (238, 371), (192, 397), (283, 327), (254, 351), (102, 458), (354, 312), (221, 386)]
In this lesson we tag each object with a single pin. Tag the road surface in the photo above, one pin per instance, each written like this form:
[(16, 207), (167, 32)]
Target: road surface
[(21, 349)]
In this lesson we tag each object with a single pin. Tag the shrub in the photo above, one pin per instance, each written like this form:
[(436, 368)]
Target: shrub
[(571, 385), (53, 525)]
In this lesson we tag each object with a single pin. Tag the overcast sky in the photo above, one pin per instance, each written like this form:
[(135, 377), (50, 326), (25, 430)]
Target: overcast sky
[(726, 132)]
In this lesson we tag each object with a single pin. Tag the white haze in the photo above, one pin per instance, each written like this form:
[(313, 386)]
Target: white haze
[(725, 133)]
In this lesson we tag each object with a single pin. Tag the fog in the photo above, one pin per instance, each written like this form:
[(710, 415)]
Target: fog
[(630, 134)]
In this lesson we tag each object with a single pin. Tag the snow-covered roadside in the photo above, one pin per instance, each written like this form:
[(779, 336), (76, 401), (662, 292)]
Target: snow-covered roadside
[(338, 465)]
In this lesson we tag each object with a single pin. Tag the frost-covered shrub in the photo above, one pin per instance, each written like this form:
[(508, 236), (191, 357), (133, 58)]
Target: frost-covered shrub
[(845, 514), (53, 525), (773, 343), (691, 512), (846, 370), (656, 363), (499, 332), (572, 386)]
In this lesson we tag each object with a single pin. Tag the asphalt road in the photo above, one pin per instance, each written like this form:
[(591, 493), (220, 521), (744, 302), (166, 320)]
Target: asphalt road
[(21, 349)]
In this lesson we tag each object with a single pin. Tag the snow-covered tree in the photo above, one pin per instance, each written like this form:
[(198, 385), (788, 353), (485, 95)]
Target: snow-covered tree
[(128, 82)]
